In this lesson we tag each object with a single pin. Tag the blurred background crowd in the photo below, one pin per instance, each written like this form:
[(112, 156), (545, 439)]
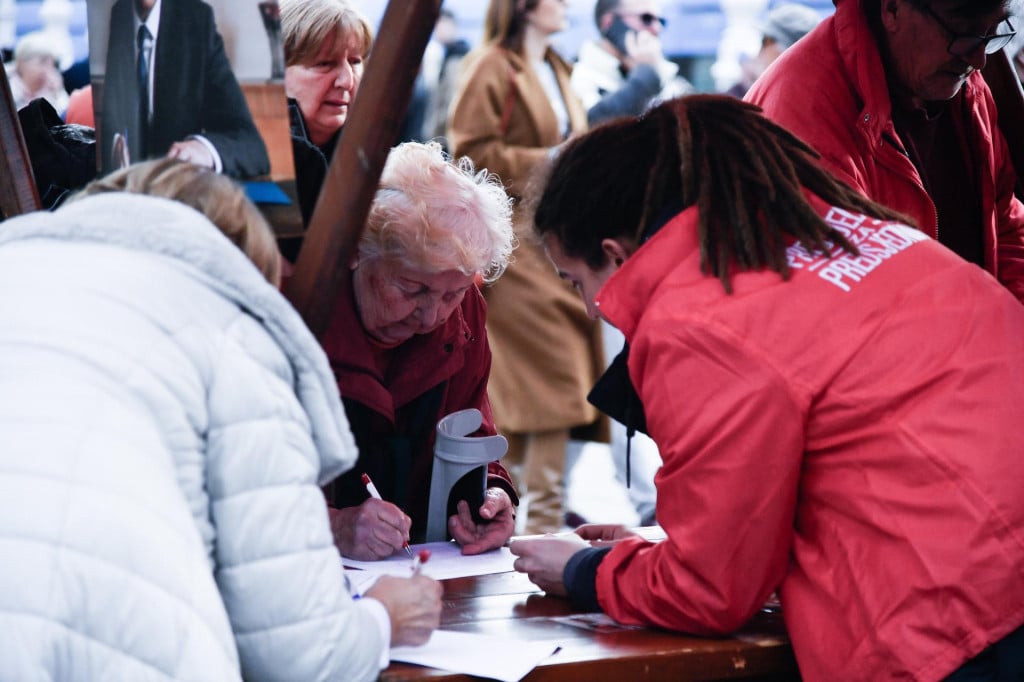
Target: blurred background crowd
[(714, 42)]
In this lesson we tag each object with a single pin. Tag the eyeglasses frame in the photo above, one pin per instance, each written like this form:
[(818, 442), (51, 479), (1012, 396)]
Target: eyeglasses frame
[(986, 42)]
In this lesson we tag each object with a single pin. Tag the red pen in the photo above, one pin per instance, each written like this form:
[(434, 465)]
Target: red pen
[(375, 494)]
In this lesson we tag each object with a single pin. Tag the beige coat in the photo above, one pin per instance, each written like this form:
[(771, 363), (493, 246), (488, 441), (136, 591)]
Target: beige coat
[(547, 352)]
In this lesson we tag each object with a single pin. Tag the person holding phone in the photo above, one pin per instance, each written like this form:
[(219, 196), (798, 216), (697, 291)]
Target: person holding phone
[(626, 72)]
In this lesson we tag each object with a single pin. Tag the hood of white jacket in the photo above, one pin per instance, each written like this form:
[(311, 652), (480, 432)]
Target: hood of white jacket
[(178, 232)]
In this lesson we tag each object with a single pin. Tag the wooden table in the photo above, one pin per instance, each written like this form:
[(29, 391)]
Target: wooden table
[(509, 605)]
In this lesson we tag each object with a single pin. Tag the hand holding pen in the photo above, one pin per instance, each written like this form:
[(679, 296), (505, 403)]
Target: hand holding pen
[(370, 531), (375, 494)]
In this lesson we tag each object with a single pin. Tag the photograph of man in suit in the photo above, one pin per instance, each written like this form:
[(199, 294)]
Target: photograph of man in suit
[(169, 91)]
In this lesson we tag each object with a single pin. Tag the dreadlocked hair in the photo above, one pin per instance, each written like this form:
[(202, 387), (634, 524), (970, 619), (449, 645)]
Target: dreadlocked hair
[(744, 174)]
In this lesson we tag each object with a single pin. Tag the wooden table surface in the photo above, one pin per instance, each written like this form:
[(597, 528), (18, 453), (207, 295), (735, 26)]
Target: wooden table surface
[(509, 605)]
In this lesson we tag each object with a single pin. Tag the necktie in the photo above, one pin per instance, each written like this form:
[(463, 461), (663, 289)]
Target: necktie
[(142, 74)]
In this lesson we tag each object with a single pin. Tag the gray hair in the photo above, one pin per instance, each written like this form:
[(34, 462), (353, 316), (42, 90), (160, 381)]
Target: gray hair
[(436, 214)]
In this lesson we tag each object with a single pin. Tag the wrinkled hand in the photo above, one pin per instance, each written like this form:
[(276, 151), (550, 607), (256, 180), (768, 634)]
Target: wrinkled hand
[(642, 47), (544, 559), (413, 604), (373, 530), (603, 534), (193, 151), (497, 528)]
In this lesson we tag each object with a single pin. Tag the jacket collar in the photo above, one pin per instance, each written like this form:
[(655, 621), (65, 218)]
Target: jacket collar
[(862, 60), (629, 291), (418, 364)]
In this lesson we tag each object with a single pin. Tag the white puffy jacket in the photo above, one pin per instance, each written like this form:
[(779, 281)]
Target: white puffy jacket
[(165, 420)]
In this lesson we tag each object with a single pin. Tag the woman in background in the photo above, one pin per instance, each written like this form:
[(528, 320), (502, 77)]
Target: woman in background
[(325, 45), (513, 108)]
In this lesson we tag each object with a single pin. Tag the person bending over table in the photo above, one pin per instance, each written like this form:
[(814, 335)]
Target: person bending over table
[(167, 422), (834, 394), (408, 346)]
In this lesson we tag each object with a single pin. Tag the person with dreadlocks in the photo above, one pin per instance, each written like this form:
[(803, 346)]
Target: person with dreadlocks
[(833, 393)]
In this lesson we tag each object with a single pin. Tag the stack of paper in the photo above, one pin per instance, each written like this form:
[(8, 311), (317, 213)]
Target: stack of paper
[(497, 658), (446, 561)]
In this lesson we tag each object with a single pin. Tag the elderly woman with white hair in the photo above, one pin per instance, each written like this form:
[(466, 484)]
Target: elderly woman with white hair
[(35, 73), (408, 346)]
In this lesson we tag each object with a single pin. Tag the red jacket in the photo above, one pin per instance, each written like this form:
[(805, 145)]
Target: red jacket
[(851, 437), (393, 409), (830, 90)]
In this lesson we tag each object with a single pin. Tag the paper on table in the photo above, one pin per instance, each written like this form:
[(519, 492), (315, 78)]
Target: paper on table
[(446, 561), (497, 658)]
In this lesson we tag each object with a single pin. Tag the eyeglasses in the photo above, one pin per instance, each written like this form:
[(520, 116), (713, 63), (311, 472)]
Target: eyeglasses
[(964, 45), (648, 18)]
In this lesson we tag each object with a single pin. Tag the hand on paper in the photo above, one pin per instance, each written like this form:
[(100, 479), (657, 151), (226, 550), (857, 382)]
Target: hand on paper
[(494, 532), (374, 530), (193, 151), (544, 559), (600, 534), (413, 605)]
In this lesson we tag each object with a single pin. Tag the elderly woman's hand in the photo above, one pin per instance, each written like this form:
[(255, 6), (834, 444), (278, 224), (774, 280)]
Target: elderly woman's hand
[(374, 530), (498, 526)]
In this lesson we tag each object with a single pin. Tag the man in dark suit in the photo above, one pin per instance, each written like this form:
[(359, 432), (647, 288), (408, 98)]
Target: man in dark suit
[(169, 90)]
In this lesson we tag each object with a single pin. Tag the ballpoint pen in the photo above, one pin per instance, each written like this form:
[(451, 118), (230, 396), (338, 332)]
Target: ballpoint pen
[(420, 559), (375, 494)]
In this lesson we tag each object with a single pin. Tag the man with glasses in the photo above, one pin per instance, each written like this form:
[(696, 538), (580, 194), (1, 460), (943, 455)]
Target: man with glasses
[(625, 72), (888, 91)]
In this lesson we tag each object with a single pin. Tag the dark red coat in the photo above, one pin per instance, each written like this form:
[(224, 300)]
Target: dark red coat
[(395, 398)]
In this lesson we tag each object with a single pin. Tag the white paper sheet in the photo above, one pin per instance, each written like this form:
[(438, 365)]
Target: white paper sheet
[(496, 658), (446, 561)]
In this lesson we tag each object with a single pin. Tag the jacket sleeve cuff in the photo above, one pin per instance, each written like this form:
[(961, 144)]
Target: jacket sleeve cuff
[(218, 165), (648, 78), (497, 480), (383, 621), (580, 577)]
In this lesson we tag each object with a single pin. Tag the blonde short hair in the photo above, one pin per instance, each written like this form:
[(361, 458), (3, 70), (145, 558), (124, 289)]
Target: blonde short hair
[(215, 196), (307, 24), (436, 214)]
